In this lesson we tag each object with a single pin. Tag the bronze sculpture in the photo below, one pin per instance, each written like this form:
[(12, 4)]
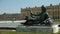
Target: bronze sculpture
[(43, 18)]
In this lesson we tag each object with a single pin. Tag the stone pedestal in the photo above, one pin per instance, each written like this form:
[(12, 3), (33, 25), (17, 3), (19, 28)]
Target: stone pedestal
[(34, 29), (52, 29)]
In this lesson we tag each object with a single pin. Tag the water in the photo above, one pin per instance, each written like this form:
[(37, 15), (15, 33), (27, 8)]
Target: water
[(10, 23)]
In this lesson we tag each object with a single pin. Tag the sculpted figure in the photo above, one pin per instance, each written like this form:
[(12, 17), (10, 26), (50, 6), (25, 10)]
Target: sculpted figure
[(43, 18), (43, 15)]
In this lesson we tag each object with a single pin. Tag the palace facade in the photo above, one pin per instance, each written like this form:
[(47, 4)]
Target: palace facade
[(53, 11)]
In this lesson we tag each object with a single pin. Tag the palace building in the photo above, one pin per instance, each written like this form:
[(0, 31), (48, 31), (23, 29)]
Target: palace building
[(53, 11)]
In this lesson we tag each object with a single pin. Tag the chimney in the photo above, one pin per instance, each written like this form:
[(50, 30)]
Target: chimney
[(50, 4), (35, 6), (29, 7), (21, 8), (26, 7)]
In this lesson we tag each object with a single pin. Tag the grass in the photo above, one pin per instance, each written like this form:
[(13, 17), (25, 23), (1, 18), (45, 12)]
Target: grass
[(57, 20), (14, 32)]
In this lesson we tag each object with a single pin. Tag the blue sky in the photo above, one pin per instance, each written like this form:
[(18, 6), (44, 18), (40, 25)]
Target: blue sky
[(14, 6)]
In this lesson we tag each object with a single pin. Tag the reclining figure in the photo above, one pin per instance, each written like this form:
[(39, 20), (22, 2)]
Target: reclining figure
[(43, 18)]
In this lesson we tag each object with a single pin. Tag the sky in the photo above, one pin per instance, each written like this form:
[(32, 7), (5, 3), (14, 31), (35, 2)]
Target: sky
[(14, 6)]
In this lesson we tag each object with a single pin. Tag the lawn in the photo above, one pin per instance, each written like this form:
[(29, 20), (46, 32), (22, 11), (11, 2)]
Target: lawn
[(57, 20), (14, 32)]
